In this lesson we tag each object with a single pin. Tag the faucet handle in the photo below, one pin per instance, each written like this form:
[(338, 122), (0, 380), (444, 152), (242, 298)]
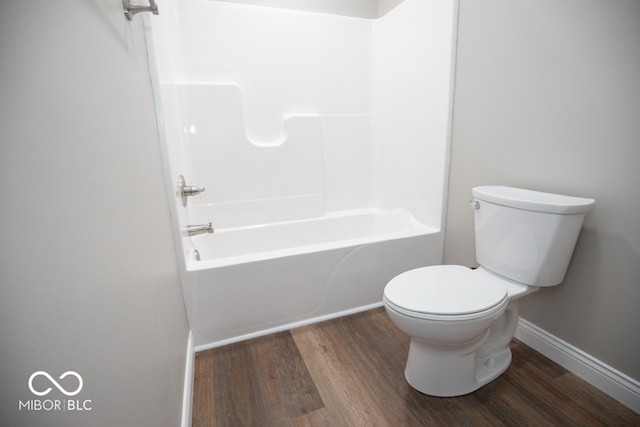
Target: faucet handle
[(183, 190), (191, 190)]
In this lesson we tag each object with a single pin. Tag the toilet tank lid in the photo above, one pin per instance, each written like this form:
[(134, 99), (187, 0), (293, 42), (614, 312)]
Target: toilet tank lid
[(533, 200)]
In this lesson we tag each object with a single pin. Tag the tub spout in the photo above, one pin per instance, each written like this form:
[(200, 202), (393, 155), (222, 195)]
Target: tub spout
[(193, 230)]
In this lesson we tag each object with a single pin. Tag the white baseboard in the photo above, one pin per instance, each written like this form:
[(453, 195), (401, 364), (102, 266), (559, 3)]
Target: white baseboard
[(619, 386), (187, 393), (286, 327)]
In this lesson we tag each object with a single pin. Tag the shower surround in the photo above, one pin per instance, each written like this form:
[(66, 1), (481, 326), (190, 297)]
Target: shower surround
[(322, 138)]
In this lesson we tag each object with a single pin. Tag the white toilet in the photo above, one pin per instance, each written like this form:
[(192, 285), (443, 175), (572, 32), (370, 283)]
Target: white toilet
[(460, 320)]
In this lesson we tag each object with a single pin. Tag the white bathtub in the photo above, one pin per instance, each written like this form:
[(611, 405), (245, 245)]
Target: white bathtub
[(294, 139), (230, 246), (256, 280)]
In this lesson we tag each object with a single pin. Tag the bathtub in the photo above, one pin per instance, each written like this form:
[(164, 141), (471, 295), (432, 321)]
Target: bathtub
[(239, 245), (324, 156), (256, 280)]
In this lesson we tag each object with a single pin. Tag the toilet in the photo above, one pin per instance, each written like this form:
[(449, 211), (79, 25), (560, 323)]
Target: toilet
[(462, 320)]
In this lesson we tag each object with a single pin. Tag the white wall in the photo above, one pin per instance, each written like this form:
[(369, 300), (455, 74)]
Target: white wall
[(548, 98), (88, 274)]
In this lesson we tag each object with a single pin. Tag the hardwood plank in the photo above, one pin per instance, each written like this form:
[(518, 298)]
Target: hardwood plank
[(340, 377), (253, 383), (350, 372), (369, 358)]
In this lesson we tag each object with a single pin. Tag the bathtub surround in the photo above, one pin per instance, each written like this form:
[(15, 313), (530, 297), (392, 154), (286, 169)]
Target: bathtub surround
[(296, 127), (88, 273), (323, 153), (547, 97)]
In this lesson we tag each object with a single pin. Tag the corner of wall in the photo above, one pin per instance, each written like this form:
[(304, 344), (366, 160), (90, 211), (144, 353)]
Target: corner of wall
[(189, 372)]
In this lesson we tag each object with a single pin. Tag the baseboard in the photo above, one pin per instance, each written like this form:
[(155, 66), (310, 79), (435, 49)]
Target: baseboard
[(286, 327), (187, 393), (619, 386)]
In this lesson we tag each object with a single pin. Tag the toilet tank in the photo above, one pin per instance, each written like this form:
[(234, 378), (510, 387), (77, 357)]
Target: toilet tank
[(527, 236)]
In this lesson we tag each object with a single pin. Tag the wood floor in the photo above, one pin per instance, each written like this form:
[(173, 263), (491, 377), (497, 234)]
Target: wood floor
[(349, 372)]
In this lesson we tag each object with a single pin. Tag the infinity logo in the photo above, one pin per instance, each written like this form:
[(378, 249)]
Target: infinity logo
[(55, 383)]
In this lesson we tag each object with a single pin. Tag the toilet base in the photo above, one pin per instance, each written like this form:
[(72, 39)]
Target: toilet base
[(451, 373), (457, 369)]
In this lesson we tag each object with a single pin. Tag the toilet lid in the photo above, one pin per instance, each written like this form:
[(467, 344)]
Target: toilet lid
[(445, 291)]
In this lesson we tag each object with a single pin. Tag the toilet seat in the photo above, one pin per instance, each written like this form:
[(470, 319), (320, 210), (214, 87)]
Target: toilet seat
[(445, 293)]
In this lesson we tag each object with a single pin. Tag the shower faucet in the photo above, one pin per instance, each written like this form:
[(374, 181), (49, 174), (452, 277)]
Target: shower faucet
[(194, 230)]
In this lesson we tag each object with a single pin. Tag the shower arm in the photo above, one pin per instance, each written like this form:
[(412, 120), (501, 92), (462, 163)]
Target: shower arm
[(131, 9)]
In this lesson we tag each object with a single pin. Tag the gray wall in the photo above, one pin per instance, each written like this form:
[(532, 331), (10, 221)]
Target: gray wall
[(88, 273), (548, 98)]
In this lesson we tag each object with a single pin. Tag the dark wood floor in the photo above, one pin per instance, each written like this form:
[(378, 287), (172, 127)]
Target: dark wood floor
[(349, 372)]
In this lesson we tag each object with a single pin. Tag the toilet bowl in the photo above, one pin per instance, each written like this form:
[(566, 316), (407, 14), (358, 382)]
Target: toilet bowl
[(460, 320)]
